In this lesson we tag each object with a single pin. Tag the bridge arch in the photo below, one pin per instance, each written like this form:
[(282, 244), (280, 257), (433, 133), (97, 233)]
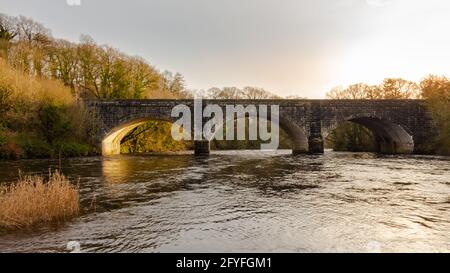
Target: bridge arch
[(111, 139), (296, 134), (390, 137)]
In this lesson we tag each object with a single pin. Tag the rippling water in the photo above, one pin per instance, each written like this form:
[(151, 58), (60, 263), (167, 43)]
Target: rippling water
[(249, 201)]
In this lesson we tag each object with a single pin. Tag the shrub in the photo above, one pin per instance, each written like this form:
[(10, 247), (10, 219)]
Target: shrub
[(42, 112), (72, 149), (153, 136), (351, 137), (37, 148), (11, 150), (33, 201), (52, 122), (5, 100), (3, 137), (436, 90)]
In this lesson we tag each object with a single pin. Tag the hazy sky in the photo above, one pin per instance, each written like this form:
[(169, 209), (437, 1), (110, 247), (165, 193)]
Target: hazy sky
[(290, 47)]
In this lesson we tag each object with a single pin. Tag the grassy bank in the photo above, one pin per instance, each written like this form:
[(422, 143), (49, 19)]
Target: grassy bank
[(42, 78), (40, 118)]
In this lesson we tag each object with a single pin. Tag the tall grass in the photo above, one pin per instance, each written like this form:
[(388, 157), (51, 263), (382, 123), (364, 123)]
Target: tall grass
[(33, 90), (32, 200)]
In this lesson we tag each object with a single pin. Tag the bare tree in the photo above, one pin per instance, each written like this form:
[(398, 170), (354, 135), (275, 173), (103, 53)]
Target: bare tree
[(8, 27), (173, 84), (31, 31), (8, 31), (256, 93), (399, 89)]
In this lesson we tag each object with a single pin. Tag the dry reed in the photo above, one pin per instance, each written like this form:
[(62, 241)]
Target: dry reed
[(31, 201)]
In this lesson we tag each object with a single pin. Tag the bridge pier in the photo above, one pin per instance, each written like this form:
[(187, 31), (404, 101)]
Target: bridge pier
[(315, 145), (201, 147), (315, 139)]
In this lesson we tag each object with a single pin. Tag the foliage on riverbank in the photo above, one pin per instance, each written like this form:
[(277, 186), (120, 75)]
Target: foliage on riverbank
[(40, 118), (436, 90), (153, 136), (351, 137), (32, 201), (42, 78)]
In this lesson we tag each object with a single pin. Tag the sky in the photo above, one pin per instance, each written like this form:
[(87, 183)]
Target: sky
[(290, 47)]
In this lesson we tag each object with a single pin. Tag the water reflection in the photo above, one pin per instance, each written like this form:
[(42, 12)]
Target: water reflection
[(250, 201)]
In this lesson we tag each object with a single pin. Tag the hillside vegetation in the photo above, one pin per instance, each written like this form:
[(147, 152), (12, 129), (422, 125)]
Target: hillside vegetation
[(43, 78)]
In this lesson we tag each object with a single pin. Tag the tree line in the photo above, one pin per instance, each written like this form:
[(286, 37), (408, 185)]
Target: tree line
[(90, 70)]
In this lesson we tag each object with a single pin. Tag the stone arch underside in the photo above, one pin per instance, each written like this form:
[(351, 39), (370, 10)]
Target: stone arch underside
[(297, 135), (110, 143), (390, 138)]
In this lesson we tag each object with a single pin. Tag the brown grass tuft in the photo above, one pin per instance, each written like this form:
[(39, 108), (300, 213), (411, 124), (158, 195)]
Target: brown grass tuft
[(33, 201)]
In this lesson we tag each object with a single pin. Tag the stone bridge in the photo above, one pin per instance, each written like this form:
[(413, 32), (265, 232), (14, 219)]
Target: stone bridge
[(399, 126)]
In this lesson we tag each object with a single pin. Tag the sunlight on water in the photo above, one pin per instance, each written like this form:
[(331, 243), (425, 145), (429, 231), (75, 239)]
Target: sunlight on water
[(250, 201)]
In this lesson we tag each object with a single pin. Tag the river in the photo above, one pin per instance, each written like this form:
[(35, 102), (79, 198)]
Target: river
[(248, 201)]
